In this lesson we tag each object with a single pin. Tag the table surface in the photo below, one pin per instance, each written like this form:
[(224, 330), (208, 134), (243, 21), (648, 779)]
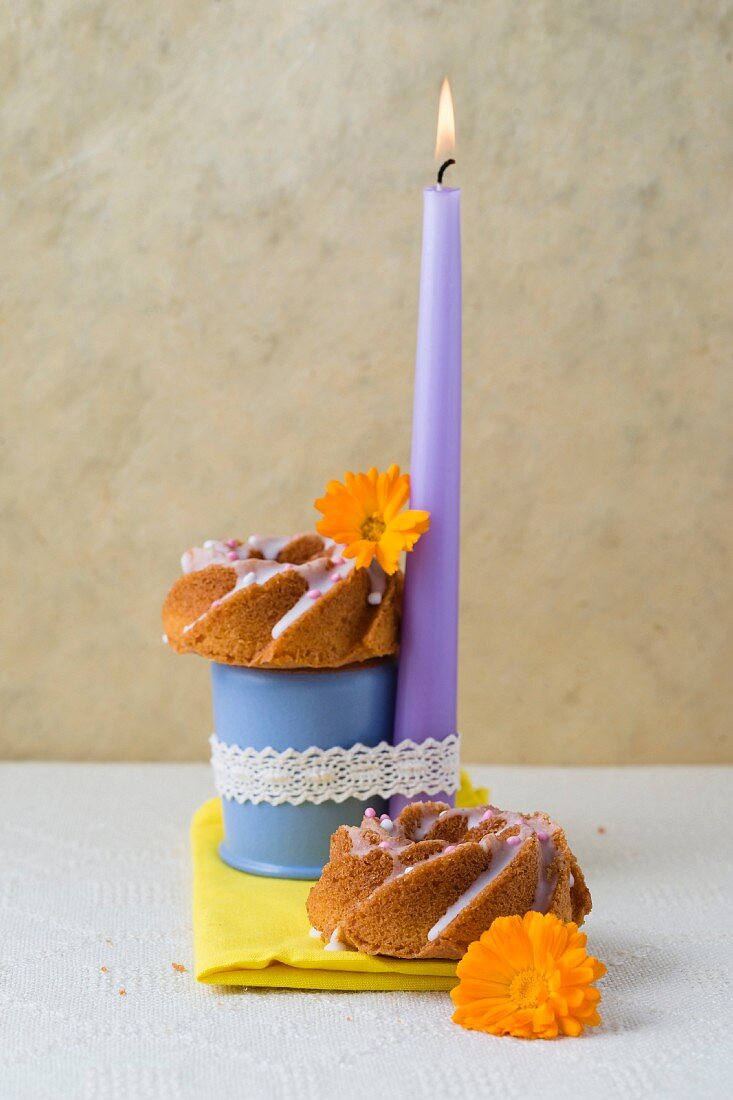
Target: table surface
[(95, 898)]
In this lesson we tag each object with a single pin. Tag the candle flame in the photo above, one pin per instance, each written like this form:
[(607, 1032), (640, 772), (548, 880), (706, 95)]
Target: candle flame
[(445, 142)]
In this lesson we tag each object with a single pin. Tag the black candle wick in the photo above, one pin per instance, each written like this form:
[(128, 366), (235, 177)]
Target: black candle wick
[(442, 169)]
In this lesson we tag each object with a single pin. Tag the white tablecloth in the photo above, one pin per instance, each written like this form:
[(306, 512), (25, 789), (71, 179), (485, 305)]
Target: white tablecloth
[(95, 872)]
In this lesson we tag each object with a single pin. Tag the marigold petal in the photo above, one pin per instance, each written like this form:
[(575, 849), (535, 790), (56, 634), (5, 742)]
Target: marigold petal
[(366, 491), (325, 505), (366, 557), (411, 521), (492, 966), (397, 497), (333, 506), (475, 990), (574, 956), (338, 529), (498, 958), (386, 485), (473, 1023), (571, 1026), (515, 945), (488, 1011), (387, 557), (573, 997), (580, 975), (382, 491), (393, 539), (345, 538), (337, 488), (362, 550)]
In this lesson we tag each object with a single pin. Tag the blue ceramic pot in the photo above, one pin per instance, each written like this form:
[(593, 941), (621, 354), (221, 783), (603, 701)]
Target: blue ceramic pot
[(261, 708)]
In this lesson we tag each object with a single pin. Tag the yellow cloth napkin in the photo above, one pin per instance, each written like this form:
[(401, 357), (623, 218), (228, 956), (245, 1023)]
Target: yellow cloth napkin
[(252, 931)]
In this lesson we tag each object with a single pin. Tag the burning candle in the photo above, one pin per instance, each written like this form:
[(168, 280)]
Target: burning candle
[(428, 664)]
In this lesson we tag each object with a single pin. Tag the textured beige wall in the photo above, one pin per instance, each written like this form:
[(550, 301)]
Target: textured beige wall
[(210, 226)]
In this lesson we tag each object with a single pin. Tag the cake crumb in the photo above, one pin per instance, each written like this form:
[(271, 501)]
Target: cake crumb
[(108, 941), (601, 829), (103, 969), (123, 993), (179, 967)]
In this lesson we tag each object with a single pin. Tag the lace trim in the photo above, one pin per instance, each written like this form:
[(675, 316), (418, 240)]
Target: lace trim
[(322, 775)]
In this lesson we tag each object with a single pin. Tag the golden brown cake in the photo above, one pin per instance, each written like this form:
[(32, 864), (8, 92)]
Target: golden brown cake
[(282, 603), (429, 883)]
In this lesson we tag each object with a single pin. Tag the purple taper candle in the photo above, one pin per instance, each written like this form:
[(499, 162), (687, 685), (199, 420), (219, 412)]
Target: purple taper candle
[(428, 663)]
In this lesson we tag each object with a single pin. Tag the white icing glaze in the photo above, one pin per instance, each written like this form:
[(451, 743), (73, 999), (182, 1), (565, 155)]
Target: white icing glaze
[(545, 884), (211, 553), (220, 551), (475, 818), (503, 849), (377, 581), (314, 933), (425, 826), (503, 846), (249, 571), (501, 857), (268, 545), (472, 818), (335, 944), (320, 574)]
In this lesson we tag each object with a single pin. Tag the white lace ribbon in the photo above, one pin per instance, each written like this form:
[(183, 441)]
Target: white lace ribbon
[(322, 775)]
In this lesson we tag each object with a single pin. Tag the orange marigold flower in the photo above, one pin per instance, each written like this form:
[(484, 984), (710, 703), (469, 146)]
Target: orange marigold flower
[(365, 516), (529, 977)]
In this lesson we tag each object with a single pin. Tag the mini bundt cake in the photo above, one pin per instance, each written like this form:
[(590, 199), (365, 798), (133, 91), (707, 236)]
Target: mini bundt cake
[(282, 603), (429, 883)]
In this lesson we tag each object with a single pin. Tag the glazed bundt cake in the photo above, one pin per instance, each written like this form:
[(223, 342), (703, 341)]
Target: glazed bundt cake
[(282, 603), (429, 883)]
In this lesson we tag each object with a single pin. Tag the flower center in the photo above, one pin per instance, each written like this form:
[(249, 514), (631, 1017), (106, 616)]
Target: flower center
[(526, 988), (373, 528)]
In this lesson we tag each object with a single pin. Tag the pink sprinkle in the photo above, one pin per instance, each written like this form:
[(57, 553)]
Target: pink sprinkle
[(488, 815), (384, 817), (231, 543), (542, 835), (337, 561), (233, 555), (449, 849), (314, 594), (385, 844), (513, 840), (370, 812), (335, 576)]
